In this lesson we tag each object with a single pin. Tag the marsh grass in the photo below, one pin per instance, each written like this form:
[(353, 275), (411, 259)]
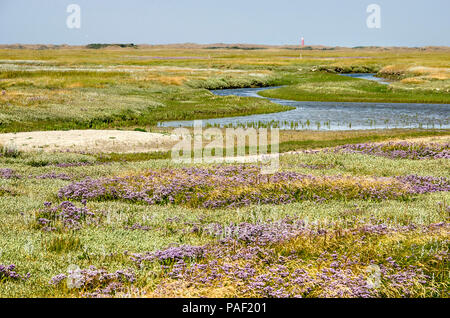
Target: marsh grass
[(7, 191), (317, 86), (106, 88), (63, 244)]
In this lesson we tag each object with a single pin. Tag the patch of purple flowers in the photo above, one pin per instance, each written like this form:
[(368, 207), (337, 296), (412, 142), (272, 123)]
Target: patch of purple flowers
[(170, 255), (6, 173), (259, 233), (9, 273), (66, 214), (54, 175), (276, 232), (97, 282), (425, 184), (72, 164), (248, 257), (399, 150), (235, 186), (261, 272)]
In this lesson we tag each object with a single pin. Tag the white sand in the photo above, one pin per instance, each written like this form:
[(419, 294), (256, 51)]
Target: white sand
[(89, 140), (119, 141)]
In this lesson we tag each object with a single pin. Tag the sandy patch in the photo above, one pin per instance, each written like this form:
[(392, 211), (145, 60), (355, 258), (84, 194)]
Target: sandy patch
[(105, 141), (121, 141)]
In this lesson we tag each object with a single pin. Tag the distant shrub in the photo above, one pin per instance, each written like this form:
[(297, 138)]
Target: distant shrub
[(233, 82), (234, 48), (103, 45), (38, 163), (349, 69), (60, 160)]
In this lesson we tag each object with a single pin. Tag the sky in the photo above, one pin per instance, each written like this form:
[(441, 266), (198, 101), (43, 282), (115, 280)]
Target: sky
[(320, 22)]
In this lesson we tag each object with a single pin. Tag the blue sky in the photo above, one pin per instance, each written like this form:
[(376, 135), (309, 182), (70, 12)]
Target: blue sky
[(326, 22)]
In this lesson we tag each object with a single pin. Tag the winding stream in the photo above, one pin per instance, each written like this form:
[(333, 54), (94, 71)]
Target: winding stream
[(333, 115)]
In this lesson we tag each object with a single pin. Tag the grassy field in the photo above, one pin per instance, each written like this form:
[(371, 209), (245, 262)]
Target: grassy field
[(291, 140), (368, 230), (350, 214), (318, 86), (71, 88)]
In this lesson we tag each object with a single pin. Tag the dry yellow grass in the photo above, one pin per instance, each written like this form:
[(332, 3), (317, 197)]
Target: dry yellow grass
[(178, 289), (417, 72), (413, 80)]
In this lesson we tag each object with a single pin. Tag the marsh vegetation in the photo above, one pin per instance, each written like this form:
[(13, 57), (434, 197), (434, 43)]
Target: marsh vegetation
[(358, 213)]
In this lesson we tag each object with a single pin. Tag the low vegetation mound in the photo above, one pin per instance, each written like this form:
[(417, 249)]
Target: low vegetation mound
[(400, 150), (104, 45), (234, 186)]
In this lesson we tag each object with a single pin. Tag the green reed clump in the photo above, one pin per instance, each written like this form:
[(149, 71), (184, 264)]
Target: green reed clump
[(63, 244)]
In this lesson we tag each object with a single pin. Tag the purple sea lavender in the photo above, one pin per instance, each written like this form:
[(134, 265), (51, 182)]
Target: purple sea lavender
[(425, 184), (6, 173), (66, 213), (9, 273), (248, 258), (54, 175), (170, 255), (97, 282), (399, 150), (73, 164), (235, 186)]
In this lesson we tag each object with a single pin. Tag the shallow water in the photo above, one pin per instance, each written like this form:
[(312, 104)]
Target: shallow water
[(368, 76), (333, 115)]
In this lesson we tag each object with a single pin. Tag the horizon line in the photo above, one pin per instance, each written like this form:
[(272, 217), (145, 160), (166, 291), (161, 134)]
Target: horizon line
[(224, 44)]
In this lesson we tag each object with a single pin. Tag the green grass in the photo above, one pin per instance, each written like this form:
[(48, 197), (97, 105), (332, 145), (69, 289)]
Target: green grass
[(63, 244), (132, 157), (332, 87), (127, 106)]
